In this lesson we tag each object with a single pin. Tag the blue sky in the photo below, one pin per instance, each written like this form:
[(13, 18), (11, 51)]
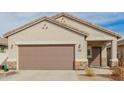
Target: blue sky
[(110, 20)]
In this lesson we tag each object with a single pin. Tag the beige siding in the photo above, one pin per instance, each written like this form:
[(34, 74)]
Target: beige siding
[(94, 34), (53, 33)]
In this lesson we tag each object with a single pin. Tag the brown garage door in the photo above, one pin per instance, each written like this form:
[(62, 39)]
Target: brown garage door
[(46, 57)]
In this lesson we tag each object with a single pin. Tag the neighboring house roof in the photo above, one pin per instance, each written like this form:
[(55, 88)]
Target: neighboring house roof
[(44, 19), (3, 41), (121, 42), (87, 23)]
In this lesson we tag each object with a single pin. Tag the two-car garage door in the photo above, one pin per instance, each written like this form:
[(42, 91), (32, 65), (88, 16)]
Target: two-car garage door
[(46, 57)]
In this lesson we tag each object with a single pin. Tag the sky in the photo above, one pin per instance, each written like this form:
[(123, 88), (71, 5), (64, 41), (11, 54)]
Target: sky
[(110, 20)]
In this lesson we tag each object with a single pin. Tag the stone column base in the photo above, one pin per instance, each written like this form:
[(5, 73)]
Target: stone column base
[(12, 65), (80, 65), (114, 62)]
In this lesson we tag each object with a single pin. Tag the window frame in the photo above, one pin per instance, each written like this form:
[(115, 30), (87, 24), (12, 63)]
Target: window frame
[(2, 50), (90, 51)]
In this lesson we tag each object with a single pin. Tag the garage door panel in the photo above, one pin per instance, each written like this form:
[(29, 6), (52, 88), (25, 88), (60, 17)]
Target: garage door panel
[(46, 57)]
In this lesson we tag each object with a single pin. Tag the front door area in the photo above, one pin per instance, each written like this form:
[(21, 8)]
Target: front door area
[(95, 60)]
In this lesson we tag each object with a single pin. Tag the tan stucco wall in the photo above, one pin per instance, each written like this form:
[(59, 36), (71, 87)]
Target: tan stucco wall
[(94, 34), (37, 35)]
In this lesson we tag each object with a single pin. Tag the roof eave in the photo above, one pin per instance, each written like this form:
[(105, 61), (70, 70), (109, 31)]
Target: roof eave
[(6, 35)]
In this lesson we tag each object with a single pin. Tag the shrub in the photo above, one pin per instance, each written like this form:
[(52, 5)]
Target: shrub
[(121, 63), (118, 73), (5, 68), (89, 72)]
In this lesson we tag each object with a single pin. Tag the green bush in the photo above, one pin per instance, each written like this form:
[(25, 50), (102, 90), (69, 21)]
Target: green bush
[(89, 72), (5, 68)]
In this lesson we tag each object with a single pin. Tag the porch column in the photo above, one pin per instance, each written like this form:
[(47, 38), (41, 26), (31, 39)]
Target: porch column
[(84, 55), (114, 58), (104, 56)]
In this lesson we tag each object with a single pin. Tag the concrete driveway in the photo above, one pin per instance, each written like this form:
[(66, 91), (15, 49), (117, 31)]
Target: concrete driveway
[(42, 75), (58, 75)]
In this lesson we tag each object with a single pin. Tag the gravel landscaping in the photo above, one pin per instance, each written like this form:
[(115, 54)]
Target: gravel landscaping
[(100, 75)]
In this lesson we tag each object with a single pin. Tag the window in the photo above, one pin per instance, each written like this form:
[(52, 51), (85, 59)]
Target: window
[(89, 52), (2, 50)]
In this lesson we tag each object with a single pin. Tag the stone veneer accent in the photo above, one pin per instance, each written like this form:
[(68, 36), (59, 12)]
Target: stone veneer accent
[(80, 65), (12, 65)]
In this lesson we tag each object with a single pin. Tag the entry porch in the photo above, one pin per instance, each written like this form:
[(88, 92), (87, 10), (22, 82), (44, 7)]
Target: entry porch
[(96, 54)]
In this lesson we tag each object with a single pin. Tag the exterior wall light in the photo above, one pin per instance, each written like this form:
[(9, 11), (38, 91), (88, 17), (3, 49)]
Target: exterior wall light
[(79, 48)]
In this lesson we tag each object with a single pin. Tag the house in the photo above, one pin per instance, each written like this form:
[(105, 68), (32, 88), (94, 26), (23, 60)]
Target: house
[(121, 52), (3, 50), (60, 42), (3, 45)]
